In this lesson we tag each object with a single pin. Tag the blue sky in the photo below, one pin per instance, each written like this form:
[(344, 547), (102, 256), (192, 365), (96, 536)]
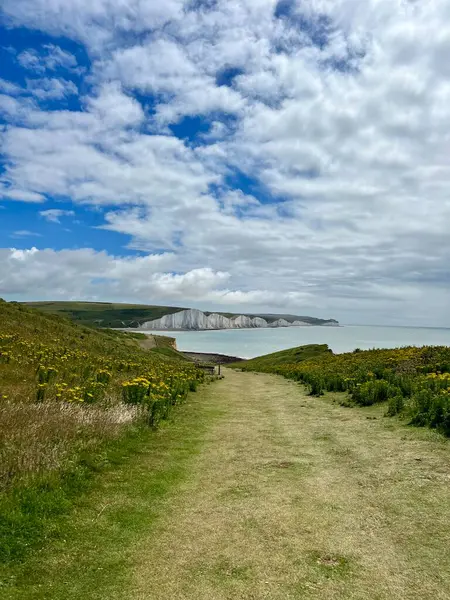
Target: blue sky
[(236, 155)]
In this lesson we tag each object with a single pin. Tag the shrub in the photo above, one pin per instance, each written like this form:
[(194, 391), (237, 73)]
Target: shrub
[(396, 405), (316, 386), (374, 392), (373, 376), (46, 360), (432, 410)]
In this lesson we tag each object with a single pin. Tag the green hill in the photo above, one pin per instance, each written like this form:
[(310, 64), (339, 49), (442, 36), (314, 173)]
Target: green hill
[(68, 393), (106, 314), (47, 361), (291, 356)]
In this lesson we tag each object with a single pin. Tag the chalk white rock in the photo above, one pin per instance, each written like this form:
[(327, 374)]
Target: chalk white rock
[(242, 322), (195, 320), (259, 322), (280, 323), (301, 324), (215, 321), (185, 319)]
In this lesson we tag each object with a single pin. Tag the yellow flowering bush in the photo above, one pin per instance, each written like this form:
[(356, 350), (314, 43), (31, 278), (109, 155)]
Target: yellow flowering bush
[(414, 381), (50, 359)]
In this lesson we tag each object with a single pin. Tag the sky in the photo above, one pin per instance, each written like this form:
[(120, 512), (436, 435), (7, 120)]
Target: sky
[(235, 155)]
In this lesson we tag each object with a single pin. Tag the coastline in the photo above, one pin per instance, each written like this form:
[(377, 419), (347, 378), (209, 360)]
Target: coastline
[(212, 357), (168, 330), (249, 343)]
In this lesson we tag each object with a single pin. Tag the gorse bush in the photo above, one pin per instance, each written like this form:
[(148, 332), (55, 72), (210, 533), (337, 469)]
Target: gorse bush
[(45, 359), (373, 392), (431, 409), (68, 396), (396, 405), (157, 397), (414, 381)]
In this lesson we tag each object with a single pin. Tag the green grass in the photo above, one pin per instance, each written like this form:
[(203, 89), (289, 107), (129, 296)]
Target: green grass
[(72, 399), (33, 512), (114, 499), (253, 490), (291, 356), (169, 353)]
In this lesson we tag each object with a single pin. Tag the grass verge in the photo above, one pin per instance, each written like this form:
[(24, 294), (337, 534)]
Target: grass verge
[(83, 528), (35, 511)]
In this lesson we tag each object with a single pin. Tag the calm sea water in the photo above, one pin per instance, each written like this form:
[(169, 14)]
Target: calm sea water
[(248, 343)]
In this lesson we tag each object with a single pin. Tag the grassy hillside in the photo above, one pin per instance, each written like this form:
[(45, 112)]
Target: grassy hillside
[(413, 382), (269, 362), (105, 314), (66, 392)]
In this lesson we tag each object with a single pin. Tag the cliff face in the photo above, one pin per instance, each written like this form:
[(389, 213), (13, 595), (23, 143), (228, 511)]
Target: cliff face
[(280, 323), (196, 320)]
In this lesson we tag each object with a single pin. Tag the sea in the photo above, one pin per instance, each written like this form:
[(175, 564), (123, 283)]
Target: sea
[(248, 343)]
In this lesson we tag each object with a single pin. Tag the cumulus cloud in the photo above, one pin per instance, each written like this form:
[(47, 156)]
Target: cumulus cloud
[(63, 273), (321, 181)]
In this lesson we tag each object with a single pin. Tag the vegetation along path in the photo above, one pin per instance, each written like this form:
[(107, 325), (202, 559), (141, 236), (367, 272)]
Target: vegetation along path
[(274, 495)]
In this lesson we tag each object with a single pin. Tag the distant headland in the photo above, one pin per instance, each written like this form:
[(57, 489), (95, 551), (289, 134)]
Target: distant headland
[(147, 317)]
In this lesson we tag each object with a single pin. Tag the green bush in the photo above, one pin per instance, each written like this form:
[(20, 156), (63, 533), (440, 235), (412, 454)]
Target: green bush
[(432, 410), (414, 381), (374, 392), (396, 405), (316, 386)]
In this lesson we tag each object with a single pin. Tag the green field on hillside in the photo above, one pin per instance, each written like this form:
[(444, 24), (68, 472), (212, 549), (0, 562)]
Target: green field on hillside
[(66, 392), (106, 314)]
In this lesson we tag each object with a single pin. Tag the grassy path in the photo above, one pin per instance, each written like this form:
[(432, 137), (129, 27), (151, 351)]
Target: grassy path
[(258, 491)]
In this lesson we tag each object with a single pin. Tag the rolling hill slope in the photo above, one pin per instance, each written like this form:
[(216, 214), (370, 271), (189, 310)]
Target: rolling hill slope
[(284, 357), (106, 314)]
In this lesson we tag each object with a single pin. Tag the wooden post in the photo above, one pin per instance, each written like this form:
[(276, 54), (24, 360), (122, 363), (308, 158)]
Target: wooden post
[(219, 370)]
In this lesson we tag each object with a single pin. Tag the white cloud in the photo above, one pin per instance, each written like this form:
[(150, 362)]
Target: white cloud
[(27, 195), (51, 89), (114, 108), (49, 57), (338, 115), (8, 87), (54, 214), (30, 59), (92, 21), (62, 273), (21, 233), (57, 57)]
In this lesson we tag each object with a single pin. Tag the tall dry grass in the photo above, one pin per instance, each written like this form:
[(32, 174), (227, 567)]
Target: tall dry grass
[(38, 438)]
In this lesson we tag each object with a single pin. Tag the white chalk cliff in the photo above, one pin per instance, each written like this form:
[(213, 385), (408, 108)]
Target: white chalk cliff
[(194, 319)]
